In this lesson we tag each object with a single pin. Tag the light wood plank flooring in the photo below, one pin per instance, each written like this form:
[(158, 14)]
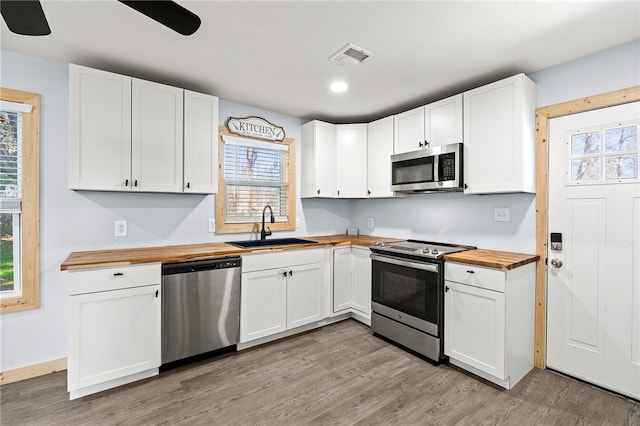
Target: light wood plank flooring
[(339, 374)]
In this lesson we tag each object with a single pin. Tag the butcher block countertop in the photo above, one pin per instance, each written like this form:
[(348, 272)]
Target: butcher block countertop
[(132, 256), (492, 258)]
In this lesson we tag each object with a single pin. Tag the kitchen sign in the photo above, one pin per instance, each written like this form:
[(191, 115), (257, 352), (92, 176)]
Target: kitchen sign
[(255, 127)]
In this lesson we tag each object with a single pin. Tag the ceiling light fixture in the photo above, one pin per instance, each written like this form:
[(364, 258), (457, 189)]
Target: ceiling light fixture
[(338, 87)]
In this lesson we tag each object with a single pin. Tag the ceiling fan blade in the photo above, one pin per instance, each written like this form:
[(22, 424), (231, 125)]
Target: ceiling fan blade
[(168, 13), (25, 17)]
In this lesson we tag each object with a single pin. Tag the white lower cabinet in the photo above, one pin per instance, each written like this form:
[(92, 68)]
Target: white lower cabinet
[(282, 291), (489, 320), (114, 327), (352, 281)]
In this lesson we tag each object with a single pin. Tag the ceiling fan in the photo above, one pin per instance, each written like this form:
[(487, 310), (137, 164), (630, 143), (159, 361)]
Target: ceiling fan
[(26, 17)]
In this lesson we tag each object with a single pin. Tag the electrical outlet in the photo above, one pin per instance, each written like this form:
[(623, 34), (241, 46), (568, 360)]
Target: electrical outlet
[(212, 225), (370, 222), (297, 223), (502, 214), (120, 228)]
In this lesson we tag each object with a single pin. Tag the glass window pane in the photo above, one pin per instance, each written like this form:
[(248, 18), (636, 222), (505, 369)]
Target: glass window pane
[(585, 169), (585, 143), (621, 139), (621, 167), (10, 173), (6, 252)]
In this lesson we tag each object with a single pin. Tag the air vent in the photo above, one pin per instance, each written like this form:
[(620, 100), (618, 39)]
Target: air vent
[(351, 54)]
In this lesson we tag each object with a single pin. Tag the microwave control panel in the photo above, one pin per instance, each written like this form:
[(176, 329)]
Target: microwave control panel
[(447, 166)]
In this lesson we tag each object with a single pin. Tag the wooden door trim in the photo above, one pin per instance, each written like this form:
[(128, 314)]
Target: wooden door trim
[(543, 115)]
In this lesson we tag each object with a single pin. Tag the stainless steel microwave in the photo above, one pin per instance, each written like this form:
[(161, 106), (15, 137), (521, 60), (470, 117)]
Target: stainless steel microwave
[(428, 170)]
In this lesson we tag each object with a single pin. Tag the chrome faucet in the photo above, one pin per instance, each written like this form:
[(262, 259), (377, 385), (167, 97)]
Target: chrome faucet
[(263, 233)]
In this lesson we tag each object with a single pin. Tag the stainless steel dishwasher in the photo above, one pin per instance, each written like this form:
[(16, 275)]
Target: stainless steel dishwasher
[(200, 307)]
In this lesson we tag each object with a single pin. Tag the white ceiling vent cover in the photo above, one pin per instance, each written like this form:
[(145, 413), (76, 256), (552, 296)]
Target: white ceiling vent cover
[(350, 54)]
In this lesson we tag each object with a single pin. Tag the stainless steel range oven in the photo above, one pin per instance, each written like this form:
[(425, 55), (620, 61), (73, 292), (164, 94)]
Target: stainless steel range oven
[(407, 287)]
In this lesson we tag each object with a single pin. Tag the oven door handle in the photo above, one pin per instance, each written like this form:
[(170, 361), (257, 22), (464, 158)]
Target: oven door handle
[(400, 262)]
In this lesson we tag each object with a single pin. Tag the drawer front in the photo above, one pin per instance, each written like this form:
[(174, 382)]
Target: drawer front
[(114, 278), (477, 276), (284, 259)]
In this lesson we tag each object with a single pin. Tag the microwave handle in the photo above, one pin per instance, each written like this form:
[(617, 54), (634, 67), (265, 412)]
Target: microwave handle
[(436, 168)]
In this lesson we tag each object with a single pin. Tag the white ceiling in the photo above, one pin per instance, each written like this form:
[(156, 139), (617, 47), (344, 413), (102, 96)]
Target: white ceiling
[(274, 55)]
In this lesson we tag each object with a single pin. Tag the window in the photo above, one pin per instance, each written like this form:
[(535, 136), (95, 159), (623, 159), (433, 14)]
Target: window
[(604, 155), (19, 204), (254, 174)]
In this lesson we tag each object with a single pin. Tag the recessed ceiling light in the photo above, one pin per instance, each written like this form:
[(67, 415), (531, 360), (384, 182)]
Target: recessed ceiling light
[(338, 86)]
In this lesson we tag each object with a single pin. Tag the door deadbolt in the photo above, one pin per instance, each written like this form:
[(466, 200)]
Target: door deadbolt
[(557, 263)]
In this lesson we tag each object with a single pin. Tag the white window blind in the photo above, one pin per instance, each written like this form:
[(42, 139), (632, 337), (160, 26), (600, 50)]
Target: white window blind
[(255, 175), (10, 159)]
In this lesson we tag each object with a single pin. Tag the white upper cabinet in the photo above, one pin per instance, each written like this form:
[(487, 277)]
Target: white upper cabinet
[(100, 130), (499, 137), (128, 134), (443, 122), (435, 124), (351, 160), (156, 141), (379, 151), (318, 158), (409, 130), (200, 143)]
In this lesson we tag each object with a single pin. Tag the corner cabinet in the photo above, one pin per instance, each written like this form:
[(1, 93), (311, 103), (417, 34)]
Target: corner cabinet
[(318, 160), (114, 327), (499, 137), (379, 152), (352, 282), (282, 291), (489, 320), (351, 160), (128, 134), (435, 124)]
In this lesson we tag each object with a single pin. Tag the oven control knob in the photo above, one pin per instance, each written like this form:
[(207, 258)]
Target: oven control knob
[(378, 244), (434, 251)]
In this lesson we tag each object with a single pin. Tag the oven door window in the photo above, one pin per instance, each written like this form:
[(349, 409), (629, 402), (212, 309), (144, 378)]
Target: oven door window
[(412, 291)]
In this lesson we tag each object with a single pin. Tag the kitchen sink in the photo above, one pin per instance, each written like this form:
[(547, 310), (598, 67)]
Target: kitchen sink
[(275, 242)]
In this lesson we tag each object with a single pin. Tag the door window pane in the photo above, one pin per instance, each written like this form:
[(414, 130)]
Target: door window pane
[(585, 143), (621, 167), (621, 139), (585, 169)]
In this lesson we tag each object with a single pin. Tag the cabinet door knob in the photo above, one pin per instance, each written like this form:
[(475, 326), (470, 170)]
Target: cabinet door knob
[(290, 273), (284, 274), (338, 192), (446, 288), (426, 144), (420, 144), (466, 186), (126, 182), (135, 182), (318, 192), (188, 185), (156, 293), (368, 192)]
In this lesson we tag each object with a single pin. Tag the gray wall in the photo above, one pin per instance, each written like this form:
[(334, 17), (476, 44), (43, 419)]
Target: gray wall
[(73, 221)]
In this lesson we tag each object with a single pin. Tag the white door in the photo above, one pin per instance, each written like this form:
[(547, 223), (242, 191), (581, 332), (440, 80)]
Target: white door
[(408, 130), (443, 121), (379, 152), (200, 143), (593, 325)]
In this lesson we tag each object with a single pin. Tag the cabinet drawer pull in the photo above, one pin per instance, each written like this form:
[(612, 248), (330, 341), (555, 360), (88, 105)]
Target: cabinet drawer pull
[(126, 182), (156, 293), (118, 274), (471, 272), (135, 182), (188, 185)]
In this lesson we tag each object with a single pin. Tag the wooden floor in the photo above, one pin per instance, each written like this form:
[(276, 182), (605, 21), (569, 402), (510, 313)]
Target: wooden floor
[(339, 374)]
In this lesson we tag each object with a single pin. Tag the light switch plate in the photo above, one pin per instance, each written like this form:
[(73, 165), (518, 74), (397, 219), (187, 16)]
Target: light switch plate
[(211, 226), (502, 214), (370, 222)]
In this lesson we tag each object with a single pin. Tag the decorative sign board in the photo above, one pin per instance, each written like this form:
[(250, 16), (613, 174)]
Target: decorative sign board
[(255, 127)]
